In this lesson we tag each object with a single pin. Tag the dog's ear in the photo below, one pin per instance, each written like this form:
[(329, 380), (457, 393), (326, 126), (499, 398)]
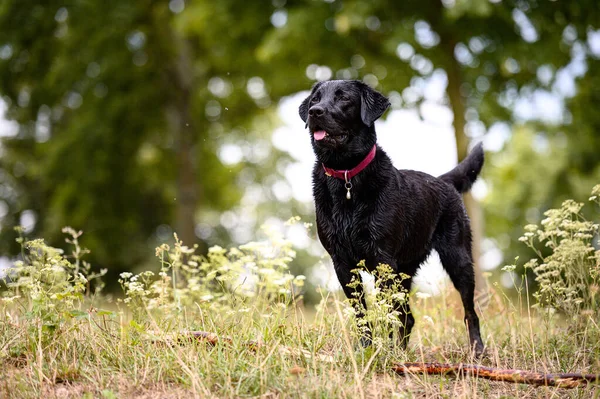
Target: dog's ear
[(303, 110), (372, 104)]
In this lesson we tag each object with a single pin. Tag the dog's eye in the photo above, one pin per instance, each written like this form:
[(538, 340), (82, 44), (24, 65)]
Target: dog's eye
[(314, 99), (344, 98)]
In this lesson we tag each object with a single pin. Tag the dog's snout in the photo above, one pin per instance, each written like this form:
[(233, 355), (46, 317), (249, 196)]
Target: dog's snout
[(316, 111)]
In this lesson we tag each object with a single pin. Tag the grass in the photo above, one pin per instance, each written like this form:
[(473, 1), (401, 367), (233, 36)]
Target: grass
[(108, 355), (58, 340)]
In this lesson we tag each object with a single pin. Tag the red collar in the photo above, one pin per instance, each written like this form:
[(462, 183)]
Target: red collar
[(349, 174)]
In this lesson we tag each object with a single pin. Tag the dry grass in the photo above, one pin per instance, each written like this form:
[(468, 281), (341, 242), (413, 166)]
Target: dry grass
[(54, 343), (108, 357)]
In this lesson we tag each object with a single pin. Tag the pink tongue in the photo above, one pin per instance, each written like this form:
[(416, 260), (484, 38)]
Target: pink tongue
[(320, 135)]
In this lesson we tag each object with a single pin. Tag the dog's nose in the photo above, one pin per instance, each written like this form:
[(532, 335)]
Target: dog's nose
[(316, 111)]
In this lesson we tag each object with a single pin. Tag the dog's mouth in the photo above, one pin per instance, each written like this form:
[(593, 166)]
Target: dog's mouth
[(324, 137)]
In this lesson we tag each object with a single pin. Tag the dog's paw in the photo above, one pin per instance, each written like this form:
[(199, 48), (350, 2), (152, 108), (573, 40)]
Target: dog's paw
[(479, 351)]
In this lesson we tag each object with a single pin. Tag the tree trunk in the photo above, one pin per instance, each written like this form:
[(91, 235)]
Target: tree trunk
[(184, 134), (457, 103)]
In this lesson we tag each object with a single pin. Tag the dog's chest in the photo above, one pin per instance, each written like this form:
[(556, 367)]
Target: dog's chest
[(359, 228), (346, 230)]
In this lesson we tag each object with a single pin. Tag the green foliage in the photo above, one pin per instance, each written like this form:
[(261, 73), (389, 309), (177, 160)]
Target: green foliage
[(47, 284), (113, 127), (542, 165), (518, 193), (568, 278)]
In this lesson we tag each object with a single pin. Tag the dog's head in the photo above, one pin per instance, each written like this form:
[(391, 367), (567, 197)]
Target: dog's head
[(340, 115)]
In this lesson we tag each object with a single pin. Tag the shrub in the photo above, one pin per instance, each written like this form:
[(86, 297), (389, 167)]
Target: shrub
[(53, 287), (254, 274), (569, 278), (49, 285)]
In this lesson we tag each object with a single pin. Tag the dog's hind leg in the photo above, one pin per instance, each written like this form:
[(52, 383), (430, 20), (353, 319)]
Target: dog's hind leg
[(458, 264)]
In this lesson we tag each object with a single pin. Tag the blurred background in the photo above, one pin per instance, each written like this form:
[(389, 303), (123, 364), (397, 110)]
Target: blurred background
[(131, 120)]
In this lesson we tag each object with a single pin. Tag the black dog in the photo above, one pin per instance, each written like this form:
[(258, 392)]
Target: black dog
[(369, 210)]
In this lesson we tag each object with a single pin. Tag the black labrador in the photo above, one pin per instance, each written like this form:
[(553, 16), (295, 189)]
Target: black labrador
[(368, 210)]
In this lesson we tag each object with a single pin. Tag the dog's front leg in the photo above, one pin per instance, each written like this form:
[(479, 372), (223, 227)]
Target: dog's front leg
[(353, 289), (402, 306)]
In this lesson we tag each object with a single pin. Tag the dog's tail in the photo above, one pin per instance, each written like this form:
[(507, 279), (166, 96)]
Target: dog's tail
[(464, 175)]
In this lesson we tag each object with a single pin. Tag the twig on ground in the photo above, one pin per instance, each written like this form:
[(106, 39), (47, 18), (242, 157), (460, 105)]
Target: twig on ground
[(560, 380)]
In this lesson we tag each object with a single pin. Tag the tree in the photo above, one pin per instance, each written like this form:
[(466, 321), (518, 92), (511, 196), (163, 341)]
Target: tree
[(547, 161), (541, 166), (120, 119), (122, 116)]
